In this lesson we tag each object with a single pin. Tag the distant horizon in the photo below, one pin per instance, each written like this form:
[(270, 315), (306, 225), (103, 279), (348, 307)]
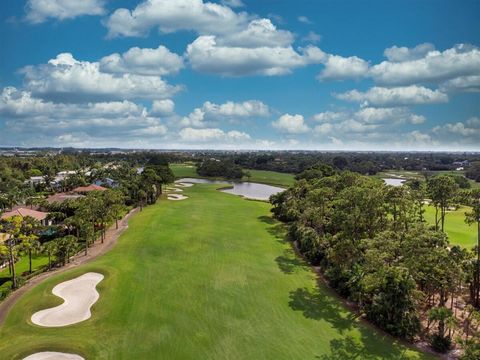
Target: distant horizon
[(2, 148), (241, 74)]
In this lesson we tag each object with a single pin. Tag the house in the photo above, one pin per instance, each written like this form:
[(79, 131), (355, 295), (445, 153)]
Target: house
[(24, 212), (35, 180), (106, 181), (86, 189), (61, 197)]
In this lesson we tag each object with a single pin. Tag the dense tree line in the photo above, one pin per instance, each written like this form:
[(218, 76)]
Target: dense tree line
[(220, 168), (374, 247)]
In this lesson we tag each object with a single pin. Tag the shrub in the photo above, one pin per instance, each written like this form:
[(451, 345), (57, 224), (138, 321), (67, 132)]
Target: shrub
[(441, 343)]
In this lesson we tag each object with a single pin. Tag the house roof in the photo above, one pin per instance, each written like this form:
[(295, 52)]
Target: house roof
[(61, 197), (23, 212), (93, 187)]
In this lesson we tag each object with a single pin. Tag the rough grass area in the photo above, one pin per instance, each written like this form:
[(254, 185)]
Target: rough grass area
[(458, 231), (206, 278), (259, 176)]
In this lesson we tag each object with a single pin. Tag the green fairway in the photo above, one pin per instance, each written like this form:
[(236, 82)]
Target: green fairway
[(459, 232), (184, 170), (205, 278), (270, 177), (259, 176)]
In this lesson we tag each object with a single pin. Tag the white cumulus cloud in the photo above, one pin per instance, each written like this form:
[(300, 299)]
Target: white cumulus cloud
[(291, 124), (395, 96), (38, 11), (68, 79), (157, 62)]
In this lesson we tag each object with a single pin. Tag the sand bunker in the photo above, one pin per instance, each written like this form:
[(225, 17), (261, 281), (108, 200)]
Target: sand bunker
[(50, 355), (79, 295), (174, 189), (184, 184), (176, 197)]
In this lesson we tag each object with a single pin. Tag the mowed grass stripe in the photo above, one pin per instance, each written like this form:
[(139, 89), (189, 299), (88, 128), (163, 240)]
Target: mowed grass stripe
[(205, 278)]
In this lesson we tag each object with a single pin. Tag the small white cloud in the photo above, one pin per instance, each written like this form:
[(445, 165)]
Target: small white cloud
[(226, 111), (312, 37), (400, 54), (433, 67), (39, 11), (462, 84), (233, 3), (340, 68), (291, 124), (156, 62), (304, 19), (163, 107), (212, 134), (396, 96)]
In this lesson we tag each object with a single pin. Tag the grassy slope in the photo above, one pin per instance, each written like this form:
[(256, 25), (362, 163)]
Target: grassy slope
[(259, 176), (459, 233), (205, 278), (271, 177)]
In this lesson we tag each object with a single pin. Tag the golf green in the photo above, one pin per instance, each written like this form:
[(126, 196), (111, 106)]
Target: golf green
[(209, 277)]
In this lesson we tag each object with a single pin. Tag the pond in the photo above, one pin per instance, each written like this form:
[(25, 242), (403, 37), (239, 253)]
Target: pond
[(249, 190), (394, 182)]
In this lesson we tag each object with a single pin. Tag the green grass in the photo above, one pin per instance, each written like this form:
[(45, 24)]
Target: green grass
[(259, 176), (22, 266), (459, 232), (184, 170), (205, 278), (271, 178)]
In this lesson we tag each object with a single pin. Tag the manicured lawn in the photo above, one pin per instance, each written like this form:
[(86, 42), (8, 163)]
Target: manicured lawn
[(259, 176), (184, 170), (271, 178), (205, 278), (22, 266), (459, 232)]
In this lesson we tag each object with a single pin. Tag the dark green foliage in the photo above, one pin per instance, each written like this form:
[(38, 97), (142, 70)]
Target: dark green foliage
[(217, 168), (390, 301), (441, 343), (372, 244)]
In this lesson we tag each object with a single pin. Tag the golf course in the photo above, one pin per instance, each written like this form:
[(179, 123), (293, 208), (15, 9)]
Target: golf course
[(209, 277)]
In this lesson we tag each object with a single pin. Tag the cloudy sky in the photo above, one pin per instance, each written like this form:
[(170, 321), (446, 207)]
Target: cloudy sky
[(241, 74)]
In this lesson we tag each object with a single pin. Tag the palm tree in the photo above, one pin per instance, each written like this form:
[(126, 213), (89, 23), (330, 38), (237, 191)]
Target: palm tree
[(51, 248), (31, 245)]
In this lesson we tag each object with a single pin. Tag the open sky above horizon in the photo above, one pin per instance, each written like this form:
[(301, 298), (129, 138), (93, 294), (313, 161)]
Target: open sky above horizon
[(241, 74)]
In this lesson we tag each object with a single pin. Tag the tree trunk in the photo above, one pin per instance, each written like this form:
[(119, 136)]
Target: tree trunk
[(12, 262)]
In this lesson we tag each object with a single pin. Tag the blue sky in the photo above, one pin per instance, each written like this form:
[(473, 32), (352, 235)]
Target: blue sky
[(327, 75)]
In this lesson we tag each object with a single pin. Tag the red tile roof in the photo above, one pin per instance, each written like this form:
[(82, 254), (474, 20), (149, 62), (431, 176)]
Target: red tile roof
[(23, 212), (93, 187), (61, 197)]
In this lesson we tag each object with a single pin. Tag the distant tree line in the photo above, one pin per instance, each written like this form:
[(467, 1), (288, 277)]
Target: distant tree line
[(220, 168)]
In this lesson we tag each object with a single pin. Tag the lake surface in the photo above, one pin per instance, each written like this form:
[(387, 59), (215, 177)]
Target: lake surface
[(249, 190), (394, 182)]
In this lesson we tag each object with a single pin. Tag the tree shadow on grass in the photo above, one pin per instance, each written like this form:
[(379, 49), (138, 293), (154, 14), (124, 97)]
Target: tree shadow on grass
[(368, 348), (320, 306), (267, 219), (290, 262)]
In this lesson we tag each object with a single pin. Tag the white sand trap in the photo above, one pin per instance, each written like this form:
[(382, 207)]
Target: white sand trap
[(174, 189), (79, 295), (50, 355), (176, 197), (184, 184)]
